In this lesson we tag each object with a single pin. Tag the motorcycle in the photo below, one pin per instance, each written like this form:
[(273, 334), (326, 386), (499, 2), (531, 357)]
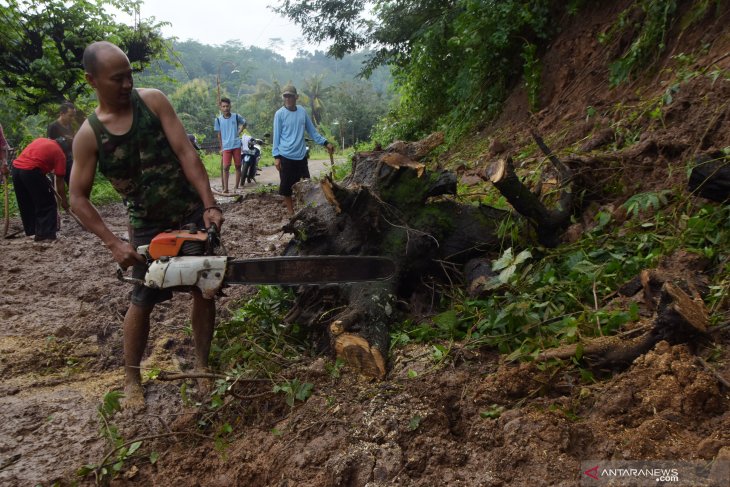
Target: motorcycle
[(250, 160)]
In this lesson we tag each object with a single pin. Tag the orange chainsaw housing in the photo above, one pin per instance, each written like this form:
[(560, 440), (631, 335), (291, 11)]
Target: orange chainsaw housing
[(168, 244)]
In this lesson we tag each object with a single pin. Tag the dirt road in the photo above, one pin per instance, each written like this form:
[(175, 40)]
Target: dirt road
[(60, 344), (270, 176)]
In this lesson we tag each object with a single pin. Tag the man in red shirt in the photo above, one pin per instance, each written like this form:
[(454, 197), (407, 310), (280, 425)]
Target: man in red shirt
[(33, 190)]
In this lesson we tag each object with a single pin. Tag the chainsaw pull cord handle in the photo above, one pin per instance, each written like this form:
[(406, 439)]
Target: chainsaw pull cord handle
[(132, 280), (127, 279)]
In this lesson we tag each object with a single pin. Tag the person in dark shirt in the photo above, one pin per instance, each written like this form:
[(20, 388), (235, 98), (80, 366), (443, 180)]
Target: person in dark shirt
[(62, 131)]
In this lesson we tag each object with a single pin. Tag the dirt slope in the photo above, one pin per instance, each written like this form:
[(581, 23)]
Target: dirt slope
[(428, 423)]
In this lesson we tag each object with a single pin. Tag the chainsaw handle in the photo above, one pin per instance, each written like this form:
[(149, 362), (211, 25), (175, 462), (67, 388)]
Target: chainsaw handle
[(127, 279), (213, 245)]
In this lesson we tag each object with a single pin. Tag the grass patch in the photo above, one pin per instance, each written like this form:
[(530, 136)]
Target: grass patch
[(12, 202), (103, 193)]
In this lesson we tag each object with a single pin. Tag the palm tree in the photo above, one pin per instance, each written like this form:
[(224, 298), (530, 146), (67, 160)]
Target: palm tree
[(315, 91)]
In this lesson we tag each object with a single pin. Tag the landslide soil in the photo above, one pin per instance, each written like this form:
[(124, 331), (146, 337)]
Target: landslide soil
[(427, 423)]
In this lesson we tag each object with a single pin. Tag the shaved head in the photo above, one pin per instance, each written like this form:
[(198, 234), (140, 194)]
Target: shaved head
[(93, 52)]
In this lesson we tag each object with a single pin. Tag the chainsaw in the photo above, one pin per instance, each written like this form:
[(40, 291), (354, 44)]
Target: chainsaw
[(192, 257)]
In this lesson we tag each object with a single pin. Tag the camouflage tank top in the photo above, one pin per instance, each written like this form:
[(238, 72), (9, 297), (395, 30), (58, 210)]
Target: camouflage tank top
[(145, 170)]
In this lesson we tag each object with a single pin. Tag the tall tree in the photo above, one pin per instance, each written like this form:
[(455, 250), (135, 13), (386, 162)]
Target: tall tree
[(357, 108), (349, 28), (261, 106), (42, 43), (315, 91), (196, 106)]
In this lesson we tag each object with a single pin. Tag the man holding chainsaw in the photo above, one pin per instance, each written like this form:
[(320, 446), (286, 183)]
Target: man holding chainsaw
[(140, 145)]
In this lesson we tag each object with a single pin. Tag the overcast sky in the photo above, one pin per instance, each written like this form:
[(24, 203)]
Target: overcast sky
[(216, 21)]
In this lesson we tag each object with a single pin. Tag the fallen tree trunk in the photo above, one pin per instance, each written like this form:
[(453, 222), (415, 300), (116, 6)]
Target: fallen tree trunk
[(548, 223), (390, 205)]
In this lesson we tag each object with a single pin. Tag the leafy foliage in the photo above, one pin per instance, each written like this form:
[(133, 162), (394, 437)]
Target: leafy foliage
[(254, 333), (42, 43), (455, 61), (554, 300), (109, 406), (645, 201), (652, 25), (295, 390)]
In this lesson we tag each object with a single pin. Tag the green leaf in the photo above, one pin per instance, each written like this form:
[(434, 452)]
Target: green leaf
[(503, 261), (134, 447), (579, 351), (110, 403), (216, 401), (412, 374), (414, 423), (305, 391), (633, 311), (494, 412), (154, 456), (586, 376), (448, 320), (86, 469), (522, 257), (439, 352), (508, 272), (153, 373)]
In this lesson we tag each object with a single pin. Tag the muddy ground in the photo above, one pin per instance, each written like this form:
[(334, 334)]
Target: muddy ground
[(60, 343), (427, 424)]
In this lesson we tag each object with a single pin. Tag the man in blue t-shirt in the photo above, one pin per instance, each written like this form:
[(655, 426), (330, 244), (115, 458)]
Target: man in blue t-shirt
[(229, 127), (289, 149)]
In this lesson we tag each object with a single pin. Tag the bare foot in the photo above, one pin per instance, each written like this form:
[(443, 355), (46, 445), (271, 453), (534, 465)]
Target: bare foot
[(204, 385), (133, 397)]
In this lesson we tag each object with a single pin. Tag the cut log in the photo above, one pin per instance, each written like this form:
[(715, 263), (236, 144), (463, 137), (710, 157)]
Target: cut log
[(392, 205), (548, 223)]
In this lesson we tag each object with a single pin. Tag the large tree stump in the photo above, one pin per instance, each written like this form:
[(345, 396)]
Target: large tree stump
[(390, 205)]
